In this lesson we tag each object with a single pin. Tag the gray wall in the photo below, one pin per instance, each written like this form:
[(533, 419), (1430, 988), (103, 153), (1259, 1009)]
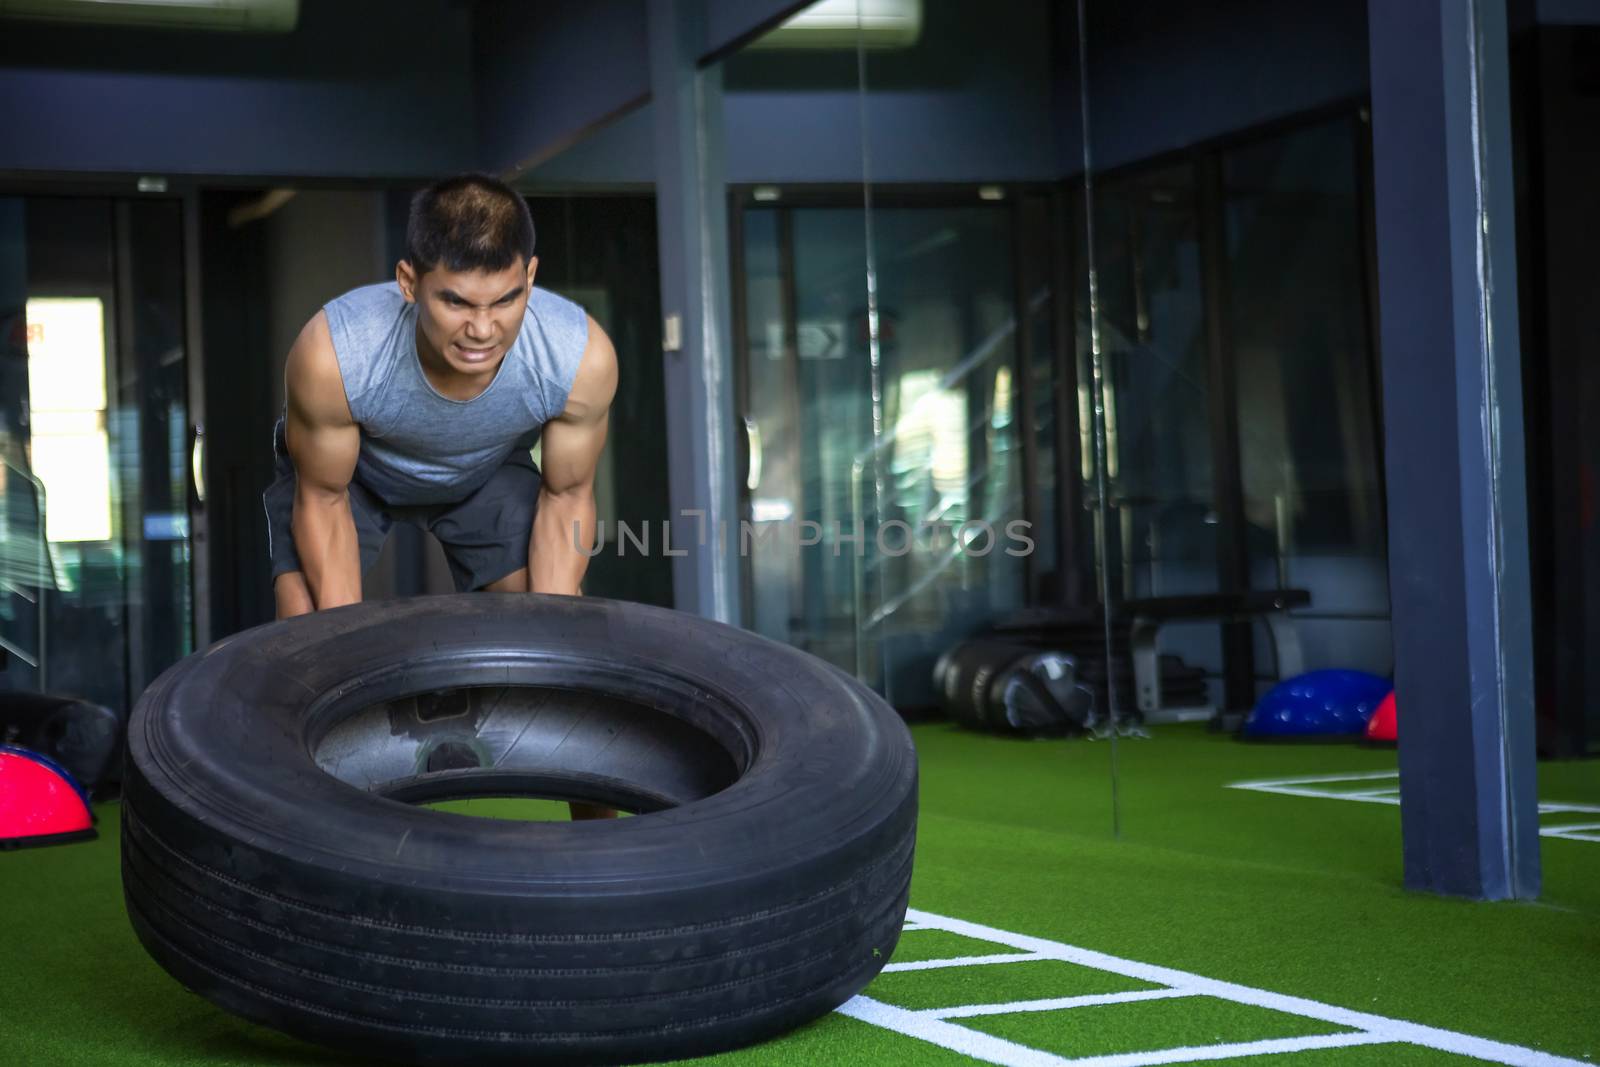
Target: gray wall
[(991, 94), (362, 89), (405, 89), (549, 75), (972, 101), (545, 74), (732, 21), (1167, 74)]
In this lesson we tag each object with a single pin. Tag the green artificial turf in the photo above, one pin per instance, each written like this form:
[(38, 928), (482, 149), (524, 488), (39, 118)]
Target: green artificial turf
[(529, 809), (1294, 895)]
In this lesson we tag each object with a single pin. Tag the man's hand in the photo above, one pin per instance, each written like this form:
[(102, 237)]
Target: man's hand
[(324, 443), (569, 453)]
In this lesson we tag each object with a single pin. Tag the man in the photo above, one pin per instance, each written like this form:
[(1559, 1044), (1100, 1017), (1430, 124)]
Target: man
[(419, 402)]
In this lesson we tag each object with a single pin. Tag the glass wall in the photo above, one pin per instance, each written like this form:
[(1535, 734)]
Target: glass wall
[(1162, 529), (95, 597), (1301, 331), (1228, 402), (1157, 357), (900, 444), (1241, 418)]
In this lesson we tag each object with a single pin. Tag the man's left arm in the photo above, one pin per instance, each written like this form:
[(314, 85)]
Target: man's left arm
[(569, 454)]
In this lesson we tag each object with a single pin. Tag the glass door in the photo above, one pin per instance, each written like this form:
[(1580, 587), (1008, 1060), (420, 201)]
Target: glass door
[(95, 484), (884, 490)]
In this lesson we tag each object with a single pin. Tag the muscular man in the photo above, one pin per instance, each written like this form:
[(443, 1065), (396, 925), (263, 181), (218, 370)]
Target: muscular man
[(419, 401)]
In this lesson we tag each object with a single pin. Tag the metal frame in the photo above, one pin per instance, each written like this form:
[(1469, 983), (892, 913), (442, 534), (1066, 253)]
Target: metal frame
[(691, 208), (1233, 559), (1073, 563), (1022, 391), (195, 404)]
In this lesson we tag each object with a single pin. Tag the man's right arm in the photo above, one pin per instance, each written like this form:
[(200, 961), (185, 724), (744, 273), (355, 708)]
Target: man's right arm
[(324, 443)]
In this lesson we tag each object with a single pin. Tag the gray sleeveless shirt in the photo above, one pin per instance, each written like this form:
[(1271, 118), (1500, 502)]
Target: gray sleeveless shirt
[(419, 447)]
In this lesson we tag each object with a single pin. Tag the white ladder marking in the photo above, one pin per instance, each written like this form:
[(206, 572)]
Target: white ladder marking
[(1306, 787), (964, 961), (931, 1024), (967, 1011), (1194, 1053)]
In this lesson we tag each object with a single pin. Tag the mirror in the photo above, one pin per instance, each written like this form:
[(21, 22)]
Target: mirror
[(1233, 354)]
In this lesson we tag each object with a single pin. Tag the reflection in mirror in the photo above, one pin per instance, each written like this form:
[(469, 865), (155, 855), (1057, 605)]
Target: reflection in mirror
[(1562, 392), (975, 595), (1234, 387), (810, 344), (95, 587), (1231, 413), (961, 310)]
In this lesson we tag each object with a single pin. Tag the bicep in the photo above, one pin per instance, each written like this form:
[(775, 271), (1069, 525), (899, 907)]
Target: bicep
[(574, 440), (571, 452), (324, 441)]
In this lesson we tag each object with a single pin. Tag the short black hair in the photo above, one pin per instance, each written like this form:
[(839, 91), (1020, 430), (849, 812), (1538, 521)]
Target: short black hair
[(469, 222)]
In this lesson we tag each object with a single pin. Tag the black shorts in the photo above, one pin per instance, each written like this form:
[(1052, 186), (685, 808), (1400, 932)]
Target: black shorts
[(485, 536)]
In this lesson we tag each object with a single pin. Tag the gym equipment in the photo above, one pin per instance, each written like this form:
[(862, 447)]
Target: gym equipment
[(84, 738), (1382, 728), (275, 861), (1010, 688), (1081, 634), (1160, 688), (40, 802), (1317, 704)]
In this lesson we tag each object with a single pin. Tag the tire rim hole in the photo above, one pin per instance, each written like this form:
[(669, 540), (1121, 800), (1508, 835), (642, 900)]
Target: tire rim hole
[(524, 742)]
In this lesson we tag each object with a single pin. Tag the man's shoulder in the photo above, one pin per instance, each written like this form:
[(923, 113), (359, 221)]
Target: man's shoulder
[(561, 324), (548, 307), (362, 320), (362, 325), (379, 299), (561, 327)]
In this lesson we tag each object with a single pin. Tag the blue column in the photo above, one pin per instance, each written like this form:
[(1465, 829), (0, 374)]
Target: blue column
[(1458, 531), (692, 214)]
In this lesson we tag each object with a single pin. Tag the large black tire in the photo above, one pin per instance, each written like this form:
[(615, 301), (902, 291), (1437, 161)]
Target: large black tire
[(268, 865)]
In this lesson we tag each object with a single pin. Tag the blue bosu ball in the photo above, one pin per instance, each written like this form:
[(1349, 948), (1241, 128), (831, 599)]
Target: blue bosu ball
[(1318, 703)]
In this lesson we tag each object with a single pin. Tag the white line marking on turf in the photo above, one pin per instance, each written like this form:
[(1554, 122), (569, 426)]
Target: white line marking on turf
[(1373, 794), (1223, 1052), (964, 961), (1580, 832), (1318, 779), (967, 1011), (1306, 787), (973, 1043), (930, 1025)]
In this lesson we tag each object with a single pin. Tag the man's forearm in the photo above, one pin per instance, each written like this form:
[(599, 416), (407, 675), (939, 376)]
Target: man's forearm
[(330, 555), (555, 562)]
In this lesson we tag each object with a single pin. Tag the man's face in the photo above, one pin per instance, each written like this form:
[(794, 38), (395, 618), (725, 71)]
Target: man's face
[(470, 319)]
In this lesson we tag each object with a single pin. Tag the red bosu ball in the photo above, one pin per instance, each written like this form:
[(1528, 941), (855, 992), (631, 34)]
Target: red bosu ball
[(1381, 727), (39, 801)]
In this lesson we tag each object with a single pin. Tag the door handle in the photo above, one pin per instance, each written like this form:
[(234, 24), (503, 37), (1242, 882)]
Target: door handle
[(197, 463), (752, 436)]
